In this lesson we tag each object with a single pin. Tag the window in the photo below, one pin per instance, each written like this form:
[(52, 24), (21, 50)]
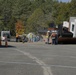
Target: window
[(72, 27)]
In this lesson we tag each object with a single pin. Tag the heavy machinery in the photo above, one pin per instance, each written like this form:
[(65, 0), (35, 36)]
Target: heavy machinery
[(67, 32)]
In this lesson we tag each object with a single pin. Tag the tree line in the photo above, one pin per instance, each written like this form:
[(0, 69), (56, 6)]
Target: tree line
[(34, 14)]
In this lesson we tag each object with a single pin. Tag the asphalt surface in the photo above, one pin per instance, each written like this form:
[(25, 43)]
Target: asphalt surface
[(37, 59)]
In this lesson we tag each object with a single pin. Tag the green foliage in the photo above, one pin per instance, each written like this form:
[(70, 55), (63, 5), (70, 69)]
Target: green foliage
[(73, 8), (61, 12), (34, 13), (35, 20)]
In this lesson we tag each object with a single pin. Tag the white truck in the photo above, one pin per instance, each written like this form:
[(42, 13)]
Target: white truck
[(5, 34)]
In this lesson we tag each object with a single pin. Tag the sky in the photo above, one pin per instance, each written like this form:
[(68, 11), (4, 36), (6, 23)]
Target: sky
[(64, 0)]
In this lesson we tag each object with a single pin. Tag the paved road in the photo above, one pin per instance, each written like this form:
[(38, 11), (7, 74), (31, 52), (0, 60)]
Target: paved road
[(37, 59)]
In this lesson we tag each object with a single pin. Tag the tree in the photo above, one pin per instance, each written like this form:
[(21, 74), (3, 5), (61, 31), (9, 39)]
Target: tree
[(21, 8), (61, 12), (35, 20), (73, 8), (20, 27), (5, 12), (34, 13)]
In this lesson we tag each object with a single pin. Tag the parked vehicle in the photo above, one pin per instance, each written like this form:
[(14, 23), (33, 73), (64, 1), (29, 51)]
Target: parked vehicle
[(5, 34)]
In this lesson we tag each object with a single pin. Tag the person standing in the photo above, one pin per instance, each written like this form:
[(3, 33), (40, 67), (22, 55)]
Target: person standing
[(48, 37), (54, 37), (17, 37)]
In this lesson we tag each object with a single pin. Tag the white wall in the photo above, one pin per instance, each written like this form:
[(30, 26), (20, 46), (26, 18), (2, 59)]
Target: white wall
[(73, 28)]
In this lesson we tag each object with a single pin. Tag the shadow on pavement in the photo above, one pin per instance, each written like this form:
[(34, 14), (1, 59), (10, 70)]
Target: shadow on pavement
[(9, 46)]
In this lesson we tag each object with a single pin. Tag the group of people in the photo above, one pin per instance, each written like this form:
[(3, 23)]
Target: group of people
[(53, 36), (33, 38), (28, 38), (21, 38)]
